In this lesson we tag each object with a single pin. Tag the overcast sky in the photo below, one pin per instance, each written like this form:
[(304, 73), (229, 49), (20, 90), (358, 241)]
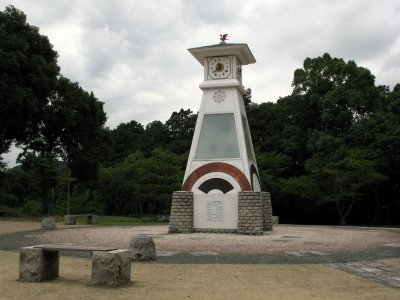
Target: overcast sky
[(133, 53)]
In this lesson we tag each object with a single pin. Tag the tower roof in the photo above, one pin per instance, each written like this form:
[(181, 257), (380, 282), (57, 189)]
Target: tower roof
[(242, 51)]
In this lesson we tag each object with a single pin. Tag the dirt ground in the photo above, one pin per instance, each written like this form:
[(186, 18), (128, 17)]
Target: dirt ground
[(13, 225), (190, 281)]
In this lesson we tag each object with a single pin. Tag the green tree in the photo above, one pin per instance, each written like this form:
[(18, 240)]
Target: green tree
[(126, 139), (345, 92), (336, 175), (117, 186), (28, 76), (72, 129), (44, 168), (140, 185), (266, 122), (181, 128), (247, 98), (159, 176), (156, 135), (380, 134), (306, 148)]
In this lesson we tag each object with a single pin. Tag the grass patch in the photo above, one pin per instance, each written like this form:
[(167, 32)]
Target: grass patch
[(116, 220)]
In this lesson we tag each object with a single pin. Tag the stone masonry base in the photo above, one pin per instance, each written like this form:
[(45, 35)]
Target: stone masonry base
[(181, 219), (254, 214), (250, 213)]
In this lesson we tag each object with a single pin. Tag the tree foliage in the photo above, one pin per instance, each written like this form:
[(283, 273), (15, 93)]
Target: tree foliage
[(329, 152), (28, 76), (180, 128), (139, 185), (49, 116), (338, 133), (126, 139)]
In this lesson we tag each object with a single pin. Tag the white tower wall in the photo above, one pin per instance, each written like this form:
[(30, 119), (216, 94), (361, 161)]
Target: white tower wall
[(221, 161)]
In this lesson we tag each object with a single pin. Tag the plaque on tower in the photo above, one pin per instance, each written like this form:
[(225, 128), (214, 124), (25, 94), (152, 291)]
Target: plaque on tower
[(221, 166)]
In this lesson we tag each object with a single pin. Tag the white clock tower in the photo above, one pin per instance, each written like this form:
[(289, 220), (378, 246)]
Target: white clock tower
[(221, 167)]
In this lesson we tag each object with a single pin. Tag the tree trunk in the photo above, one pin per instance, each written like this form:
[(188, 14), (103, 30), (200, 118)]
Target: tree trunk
[(45, 201), (343, 215), (342, 219), (377, 207)]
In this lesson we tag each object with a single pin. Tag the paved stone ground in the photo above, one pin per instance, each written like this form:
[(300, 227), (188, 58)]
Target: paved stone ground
[(362, 263), (14, 241), (293, 257), (383, 273)]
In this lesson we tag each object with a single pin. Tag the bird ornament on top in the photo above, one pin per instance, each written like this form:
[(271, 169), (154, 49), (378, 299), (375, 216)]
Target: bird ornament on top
[(223, 37)]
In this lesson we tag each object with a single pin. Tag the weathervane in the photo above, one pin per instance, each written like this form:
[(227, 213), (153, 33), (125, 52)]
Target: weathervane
[(223, 37)]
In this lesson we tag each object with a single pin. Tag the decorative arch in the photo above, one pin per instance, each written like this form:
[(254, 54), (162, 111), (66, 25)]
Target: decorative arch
[(216, 184), (217, 167)]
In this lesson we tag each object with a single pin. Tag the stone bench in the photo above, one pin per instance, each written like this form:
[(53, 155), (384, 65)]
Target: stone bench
[(110, 266), (90, 219)]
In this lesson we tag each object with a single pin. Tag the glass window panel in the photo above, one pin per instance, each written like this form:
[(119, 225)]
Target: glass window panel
[(247, 137), (218, 138)]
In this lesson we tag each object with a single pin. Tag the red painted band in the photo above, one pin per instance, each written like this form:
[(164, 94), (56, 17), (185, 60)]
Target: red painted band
[(217, 167)]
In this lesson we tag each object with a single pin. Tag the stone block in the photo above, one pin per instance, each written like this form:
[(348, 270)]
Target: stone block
[(181, 219), (92, 219), (48, 224), (142, 248), (163, 218), (250, 213), (38, 265), (267, 211), (111, 268), (69, 220)]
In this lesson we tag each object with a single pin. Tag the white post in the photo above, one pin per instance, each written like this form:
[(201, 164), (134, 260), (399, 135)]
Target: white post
[(68, 193)]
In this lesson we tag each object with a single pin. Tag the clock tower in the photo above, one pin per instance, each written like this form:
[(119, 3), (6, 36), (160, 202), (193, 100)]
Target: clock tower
[(221, 189)]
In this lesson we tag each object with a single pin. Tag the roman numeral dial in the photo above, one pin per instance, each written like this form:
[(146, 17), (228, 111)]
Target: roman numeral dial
[(219, 67)]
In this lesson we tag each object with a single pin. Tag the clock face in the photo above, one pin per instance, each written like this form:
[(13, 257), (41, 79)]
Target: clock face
[(219, 67)]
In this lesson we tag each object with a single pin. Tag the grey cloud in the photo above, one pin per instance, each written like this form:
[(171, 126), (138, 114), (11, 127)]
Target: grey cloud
[(132, 54)]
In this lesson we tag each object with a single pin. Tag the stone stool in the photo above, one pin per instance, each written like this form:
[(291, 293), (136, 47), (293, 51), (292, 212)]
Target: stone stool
[(48, 223), (92, 220), (111, 268), (69, 220), (38, 265), (142, 248)]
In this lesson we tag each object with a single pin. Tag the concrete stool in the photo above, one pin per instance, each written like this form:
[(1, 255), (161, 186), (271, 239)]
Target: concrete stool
[(38, 265), (92, 219), (48, 223), (142, 248), (111, 268), (69, 220)]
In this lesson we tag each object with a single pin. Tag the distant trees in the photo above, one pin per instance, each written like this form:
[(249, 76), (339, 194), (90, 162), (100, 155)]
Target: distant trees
[(328, 153), (180, 130), (174, 135), (146, 166), (139, 185), (126, 139), (319, 146)]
